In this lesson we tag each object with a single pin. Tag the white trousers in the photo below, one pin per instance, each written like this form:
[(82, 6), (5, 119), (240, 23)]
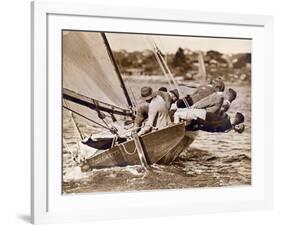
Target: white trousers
[(188, 114)]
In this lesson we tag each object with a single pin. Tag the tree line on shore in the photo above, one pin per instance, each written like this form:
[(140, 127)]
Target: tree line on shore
[(185, 63)]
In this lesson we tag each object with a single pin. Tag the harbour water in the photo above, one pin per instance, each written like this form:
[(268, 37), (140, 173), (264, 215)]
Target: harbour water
[(213, 159)]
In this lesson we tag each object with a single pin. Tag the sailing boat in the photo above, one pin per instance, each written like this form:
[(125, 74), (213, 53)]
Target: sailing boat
[(93, 89)]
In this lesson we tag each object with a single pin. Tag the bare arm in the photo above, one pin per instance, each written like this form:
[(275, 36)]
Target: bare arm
[(152, 113), (140, 117)]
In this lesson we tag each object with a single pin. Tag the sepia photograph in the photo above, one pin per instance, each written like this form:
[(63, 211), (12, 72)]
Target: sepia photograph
[(147, 112)]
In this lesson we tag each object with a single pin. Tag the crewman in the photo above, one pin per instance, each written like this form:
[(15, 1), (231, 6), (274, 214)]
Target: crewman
[(210, 97), (218, 123), (141, 114), (158, 108), (208, 108)]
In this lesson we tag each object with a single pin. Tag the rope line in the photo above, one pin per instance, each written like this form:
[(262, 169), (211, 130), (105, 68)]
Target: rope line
[(99, 124), (148, 43), (66, 145), (125, 150), (169, 73), (76, 126)]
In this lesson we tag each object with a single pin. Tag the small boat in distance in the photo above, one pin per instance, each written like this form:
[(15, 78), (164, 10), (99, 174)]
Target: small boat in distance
[(93, 89)]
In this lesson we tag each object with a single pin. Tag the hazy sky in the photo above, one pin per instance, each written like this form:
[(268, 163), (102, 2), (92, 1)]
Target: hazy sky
[(132, 42)]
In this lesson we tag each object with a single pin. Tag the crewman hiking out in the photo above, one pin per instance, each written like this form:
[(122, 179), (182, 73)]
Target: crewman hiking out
[(208, 107), (210, 97)]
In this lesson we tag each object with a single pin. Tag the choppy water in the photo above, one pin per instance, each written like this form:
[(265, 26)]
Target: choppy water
[(213, 160)]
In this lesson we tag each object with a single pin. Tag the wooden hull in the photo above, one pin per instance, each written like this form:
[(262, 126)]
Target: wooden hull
[(156, 146), (177, 150)]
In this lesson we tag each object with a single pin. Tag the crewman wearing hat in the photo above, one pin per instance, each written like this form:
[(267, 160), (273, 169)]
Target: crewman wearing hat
[(158, 109)]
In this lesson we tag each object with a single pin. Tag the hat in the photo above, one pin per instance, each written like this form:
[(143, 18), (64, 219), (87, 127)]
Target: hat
[(231, 94), (146, 93), (218, 84), (163, 89), (239, 118), (175, 92)]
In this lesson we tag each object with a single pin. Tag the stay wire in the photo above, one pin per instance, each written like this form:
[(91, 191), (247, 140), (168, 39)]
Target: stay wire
[(150, 46), (99, 124)]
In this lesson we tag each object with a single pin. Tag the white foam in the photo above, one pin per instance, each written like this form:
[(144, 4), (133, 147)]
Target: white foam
[(74, 173)]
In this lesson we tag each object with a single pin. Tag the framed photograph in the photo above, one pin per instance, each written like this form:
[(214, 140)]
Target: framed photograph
[(142, 112)]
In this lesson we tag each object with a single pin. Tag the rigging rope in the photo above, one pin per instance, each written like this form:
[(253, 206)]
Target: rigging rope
[(148, 43), (66, 145), (76, 126), (172, 77), (101, 115), (126, 151), (134, 98), (77, 129), (167, 71), (113, 130)]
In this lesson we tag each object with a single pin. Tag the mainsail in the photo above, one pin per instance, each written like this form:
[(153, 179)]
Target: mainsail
[(91, 84)]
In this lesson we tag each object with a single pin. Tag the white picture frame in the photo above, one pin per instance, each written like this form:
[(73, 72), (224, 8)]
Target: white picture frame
[(47, 206)]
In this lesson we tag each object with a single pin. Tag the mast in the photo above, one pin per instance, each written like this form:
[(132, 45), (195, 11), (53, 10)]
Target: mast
[(116, 69), (167, 71), (201, 66)]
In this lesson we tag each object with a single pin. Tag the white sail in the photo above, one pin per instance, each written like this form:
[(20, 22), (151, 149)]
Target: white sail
[(88, 69), (91, 86)]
